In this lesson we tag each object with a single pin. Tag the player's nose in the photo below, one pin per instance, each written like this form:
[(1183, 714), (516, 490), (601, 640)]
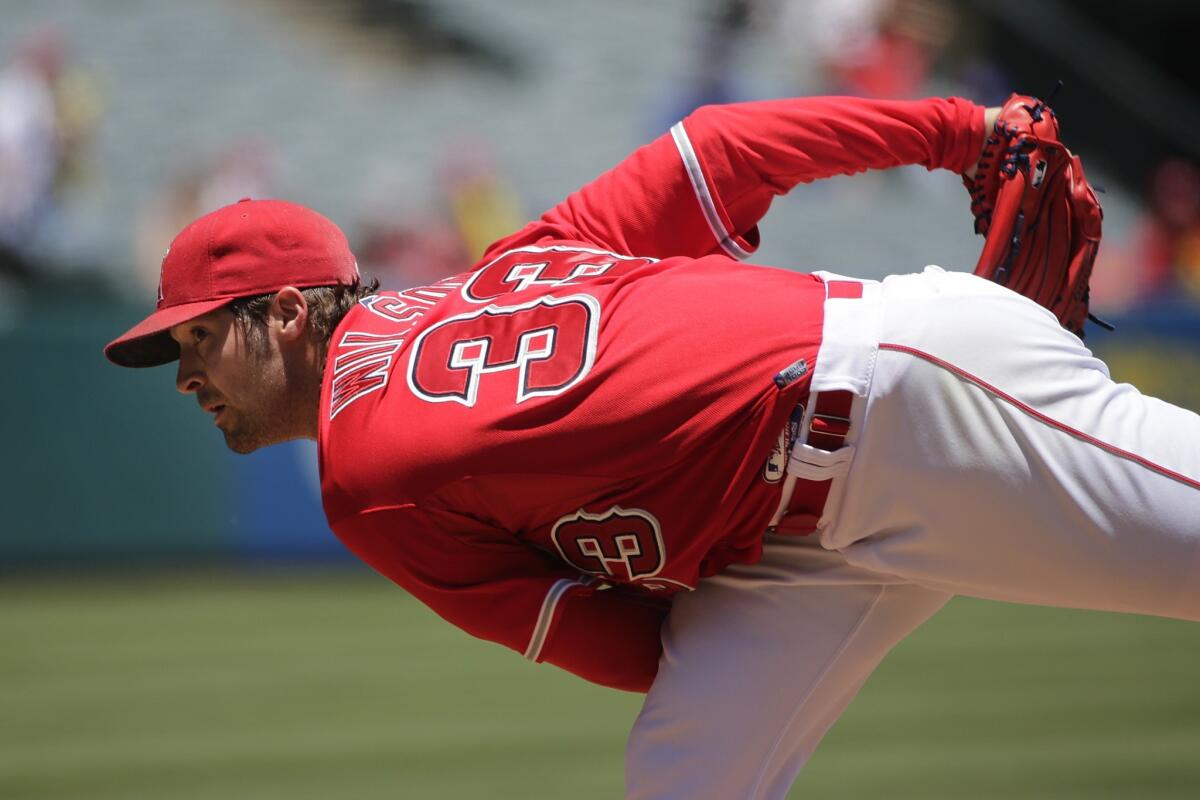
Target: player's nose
[(188, 379)]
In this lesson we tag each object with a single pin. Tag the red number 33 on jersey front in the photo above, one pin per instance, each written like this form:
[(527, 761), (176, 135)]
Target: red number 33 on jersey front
[(547, 345)]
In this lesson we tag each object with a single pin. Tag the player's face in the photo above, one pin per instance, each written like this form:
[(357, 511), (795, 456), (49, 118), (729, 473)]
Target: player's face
[(243, 387)]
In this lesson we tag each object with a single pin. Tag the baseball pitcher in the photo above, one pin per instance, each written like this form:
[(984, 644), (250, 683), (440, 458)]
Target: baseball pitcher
[(612, 446)]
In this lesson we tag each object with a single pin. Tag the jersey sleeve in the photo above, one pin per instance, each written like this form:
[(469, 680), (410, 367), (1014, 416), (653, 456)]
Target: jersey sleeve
[(496, 588), (703, 188)]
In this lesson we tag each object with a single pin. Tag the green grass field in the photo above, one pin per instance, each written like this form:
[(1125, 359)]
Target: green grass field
[(296, 686)]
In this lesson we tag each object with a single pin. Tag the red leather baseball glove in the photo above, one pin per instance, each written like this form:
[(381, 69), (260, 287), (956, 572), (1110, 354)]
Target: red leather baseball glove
[(1039, 216)]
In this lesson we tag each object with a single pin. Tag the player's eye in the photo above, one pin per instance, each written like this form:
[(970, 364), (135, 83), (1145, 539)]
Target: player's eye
[(199, 335)]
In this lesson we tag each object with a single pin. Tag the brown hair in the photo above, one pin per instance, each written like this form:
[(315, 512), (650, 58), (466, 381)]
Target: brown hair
[(327, 305)]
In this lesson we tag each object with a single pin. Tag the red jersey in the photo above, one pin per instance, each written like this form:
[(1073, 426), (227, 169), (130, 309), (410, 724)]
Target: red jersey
[(547, 447)]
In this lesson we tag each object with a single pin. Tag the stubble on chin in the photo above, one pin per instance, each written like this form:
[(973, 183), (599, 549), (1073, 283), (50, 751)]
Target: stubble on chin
[(240, 444), (243, 437)]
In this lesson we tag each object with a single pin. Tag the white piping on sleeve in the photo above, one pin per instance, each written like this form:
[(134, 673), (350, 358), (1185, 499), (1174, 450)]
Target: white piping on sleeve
[(546, 616), (691, 164)]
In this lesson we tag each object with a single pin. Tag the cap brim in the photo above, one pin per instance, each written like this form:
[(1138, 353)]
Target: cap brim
[(149, 343)]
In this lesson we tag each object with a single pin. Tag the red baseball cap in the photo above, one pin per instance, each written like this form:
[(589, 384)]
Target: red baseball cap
[(249, 248)]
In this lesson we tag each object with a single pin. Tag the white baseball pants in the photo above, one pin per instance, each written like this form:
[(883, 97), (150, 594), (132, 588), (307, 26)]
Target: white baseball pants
[(992, 456)]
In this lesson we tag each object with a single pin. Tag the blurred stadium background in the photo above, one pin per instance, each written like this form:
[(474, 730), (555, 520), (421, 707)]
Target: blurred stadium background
[(177, 622)]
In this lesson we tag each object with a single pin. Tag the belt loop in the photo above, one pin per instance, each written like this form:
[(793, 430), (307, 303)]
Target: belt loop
[(830, 421), (850, 290)]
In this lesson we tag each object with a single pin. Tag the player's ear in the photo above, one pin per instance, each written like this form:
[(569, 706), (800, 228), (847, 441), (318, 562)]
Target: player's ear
[(289, 313)]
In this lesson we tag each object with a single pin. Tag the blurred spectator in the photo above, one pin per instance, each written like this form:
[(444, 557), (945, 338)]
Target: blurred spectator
[(245, 168), (1161, 259), (870, 48), (985, 81), (30, 148), (483, 206), (48, 111), (709, 74), (404, 250), (418, 241), (1168, 236)]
